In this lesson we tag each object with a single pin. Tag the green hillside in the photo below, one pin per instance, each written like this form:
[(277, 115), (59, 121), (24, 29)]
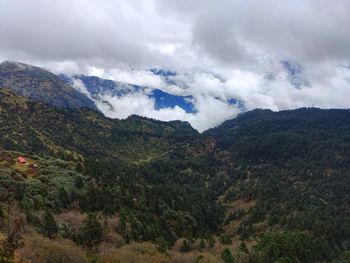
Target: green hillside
[(38, 127), (291, 174), (263, 187)]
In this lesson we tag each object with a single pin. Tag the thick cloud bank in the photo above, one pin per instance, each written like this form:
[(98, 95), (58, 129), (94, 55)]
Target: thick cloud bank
[(229, 55)]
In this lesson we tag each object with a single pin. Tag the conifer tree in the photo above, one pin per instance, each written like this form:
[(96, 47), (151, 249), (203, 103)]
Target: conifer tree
[(226, 256), (92, 231), (49, 225)]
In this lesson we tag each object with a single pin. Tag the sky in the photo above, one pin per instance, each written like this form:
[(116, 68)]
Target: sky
[(229, 55)]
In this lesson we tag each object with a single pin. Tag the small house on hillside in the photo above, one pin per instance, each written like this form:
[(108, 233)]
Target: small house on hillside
[(21, 160)]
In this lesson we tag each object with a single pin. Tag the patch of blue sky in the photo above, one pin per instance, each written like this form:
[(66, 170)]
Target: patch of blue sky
[(295, 74), (166, 100), (165, 74), (238, 103)]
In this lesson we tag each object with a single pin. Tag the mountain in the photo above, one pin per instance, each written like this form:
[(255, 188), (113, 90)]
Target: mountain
[(295, 127), (151, 172), (41, 85), (263, 187), (50, 130), (290, 171), (101, 89)]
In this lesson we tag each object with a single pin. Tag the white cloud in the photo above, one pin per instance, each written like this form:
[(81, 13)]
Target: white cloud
[(210, 111), (211, 94), (79, 86), (128, 75), (231, 49)]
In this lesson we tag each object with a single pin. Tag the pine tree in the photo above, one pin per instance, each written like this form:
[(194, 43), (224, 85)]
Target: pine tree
[(226, 256), (186, 246), (243, 247), (162, 244), (63, 197), (92, 231), (49, 225), (79, 167), (202, 244), (211, 242)]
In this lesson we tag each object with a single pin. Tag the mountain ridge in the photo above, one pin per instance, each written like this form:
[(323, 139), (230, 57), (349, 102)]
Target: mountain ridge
[(100, 88), (41, 85), (43, 117)]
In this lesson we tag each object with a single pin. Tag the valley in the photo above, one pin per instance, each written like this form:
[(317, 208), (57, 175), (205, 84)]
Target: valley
[(263, 187)]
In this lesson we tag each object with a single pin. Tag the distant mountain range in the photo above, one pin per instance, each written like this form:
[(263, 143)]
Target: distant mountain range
[(98, 88), (41, 85)]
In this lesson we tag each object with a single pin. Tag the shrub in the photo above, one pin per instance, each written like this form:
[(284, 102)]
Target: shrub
[(225, 240), (226, 256), (186, 246)]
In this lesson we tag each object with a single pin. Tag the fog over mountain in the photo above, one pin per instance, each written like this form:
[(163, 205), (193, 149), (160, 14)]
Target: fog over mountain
[(226, 57)]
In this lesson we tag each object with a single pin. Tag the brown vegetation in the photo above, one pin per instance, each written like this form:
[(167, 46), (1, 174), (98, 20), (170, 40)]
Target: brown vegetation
[(132, 253), (38, 249)]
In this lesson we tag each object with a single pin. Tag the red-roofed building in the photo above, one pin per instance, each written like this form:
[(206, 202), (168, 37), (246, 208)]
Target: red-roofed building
[(21, 160)]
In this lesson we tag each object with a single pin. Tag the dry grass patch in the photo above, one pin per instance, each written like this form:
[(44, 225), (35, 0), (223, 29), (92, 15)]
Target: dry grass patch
[(38, 249), (132, 253)]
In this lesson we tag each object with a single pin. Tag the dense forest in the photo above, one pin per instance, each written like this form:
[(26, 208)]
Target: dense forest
[(263, 187)]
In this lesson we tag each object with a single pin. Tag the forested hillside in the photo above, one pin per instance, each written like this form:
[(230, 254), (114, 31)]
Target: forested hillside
[(41, 128), (263, 187), (292, 174)]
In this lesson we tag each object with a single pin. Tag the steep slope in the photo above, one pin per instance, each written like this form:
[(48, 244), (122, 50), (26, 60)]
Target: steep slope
[(41, 85), (100, 87), (290, 173)]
